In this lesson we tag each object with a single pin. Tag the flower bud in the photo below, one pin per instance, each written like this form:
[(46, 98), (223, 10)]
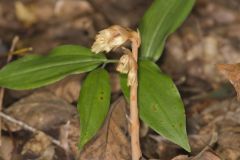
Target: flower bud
[(123, 65), (128, 65)]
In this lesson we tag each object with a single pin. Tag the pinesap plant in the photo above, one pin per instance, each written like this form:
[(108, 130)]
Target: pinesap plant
[(144, 85)]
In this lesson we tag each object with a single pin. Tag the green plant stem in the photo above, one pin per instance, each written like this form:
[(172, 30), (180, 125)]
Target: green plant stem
[(109, 61), (104, 65), (112, 61)]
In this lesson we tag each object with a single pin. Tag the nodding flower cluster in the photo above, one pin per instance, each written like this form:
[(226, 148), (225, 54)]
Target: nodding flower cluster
[(114, 37)]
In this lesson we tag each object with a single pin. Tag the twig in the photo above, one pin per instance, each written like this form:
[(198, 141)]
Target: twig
[(9, 57), (213, 141), (135, 142), (21, 51), (64, 138), (1, 102), (27, 127)]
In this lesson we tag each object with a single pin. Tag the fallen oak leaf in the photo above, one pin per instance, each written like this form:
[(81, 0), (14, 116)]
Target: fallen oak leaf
[(232, 73)]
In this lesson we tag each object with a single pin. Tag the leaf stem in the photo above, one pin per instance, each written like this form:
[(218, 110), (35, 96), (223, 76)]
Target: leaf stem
[(103, 65), (111, 61)]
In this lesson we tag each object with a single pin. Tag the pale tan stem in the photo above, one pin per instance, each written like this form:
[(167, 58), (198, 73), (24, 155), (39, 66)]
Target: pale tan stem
[(135, 142)]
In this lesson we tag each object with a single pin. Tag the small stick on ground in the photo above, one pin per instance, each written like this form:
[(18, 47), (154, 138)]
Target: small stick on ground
[(9, 57), (135, 142), (27, 127), (1, 101)]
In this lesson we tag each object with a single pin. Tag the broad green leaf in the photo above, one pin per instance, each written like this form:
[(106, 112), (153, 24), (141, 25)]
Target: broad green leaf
[(160, 104), (161, 19), (36, 71), (93, 104)]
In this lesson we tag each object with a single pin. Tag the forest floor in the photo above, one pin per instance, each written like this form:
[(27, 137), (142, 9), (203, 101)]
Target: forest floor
[(210, 36)]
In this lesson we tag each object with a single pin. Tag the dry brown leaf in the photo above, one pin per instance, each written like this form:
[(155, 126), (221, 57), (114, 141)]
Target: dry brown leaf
[(231, 154), (37, 144), (181, 157), (115, 82), (112, 143), (68, 8), (24, 14), (48, 154), (199, 141), (41, 110), (39, 147), (207, 155), (232, 73), (6, 148), (223, 118), (68, 88)]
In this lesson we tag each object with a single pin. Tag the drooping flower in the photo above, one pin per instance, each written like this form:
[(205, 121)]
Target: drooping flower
[(127, 65), (123, 65), (112, 38)]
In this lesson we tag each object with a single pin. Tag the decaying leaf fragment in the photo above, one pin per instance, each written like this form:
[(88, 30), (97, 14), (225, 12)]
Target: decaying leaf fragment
[(7, 148), (41, 110), (24, 14), (232, 73)]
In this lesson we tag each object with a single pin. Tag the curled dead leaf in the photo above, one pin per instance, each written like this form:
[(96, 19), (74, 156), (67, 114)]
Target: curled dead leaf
[(6, 149), (232, 73)]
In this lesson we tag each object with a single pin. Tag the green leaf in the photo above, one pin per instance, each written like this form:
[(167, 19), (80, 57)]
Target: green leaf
[(160, 20), (160, 104), (36, 71), (93, 104)]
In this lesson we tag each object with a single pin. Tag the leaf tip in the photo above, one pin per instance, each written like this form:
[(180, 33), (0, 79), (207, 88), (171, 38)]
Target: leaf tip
[(184, 143), (186, 146)]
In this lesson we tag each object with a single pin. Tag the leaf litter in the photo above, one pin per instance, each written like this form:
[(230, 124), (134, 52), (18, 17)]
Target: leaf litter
[(209, 37)]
